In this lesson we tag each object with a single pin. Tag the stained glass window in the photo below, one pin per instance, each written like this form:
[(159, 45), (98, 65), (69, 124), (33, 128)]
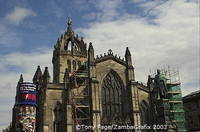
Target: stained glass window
[(112, 89)]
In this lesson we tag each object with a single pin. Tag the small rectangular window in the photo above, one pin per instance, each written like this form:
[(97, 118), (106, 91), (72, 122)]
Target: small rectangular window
[(69, 65)]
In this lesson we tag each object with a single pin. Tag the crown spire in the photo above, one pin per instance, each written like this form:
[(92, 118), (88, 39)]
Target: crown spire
[(69, 22), (69, 27)]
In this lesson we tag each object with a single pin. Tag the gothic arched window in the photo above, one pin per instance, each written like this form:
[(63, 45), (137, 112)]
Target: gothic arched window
[(68, 45), (112, 93)]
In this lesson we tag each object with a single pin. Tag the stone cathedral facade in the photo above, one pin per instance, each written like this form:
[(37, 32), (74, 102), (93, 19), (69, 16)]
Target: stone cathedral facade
[(94, 94), (88, 92)]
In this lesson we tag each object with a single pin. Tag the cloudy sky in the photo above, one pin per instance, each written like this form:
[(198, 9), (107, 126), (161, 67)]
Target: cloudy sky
[(158, 32)]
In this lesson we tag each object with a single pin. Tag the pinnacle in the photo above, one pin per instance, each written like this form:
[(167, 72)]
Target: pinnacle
[(127, 52)]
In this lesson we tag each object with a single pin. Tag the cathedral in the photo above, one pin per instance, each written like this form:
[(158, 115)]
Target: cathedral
[(87, 90), (92, 93)]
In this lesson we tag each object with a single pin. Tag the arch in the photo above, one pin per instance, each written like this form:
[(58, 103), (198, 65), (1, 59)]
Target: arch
[(112, 97), (68, 45), (75, 48)]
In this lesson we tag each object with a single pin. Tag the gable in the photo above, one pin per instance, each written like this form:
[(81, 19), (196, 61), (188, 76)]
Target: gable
[(104, 67), (110, 57)]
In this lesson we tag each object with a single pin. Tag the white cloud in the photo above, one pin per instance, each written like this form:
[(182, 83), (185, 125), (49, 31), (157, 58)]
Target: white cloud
[(138, 1), (18, 15), (172, 39), (56, 8), (90, 16), (106, 9), (150, 6), (24, 63), (8, 37)]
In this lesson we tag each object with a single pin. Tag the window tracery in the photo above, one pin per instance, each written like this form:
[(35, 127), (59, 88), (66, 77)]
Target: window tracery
[(112, 89)]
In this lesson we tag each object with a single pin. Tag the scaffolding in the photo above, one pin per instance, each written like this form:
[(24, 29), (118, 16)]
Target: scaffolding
[(174, 96), (168, 107), (80, 100)]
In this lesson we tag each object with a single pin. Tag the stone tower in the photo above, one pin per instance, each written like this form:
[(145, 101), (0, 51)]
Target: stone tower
[(69, 52), (87, 90)]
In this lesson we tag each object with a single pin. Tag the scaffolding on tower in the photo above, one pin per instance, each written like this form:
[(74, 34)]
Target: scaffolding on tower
[(80, 99), (174, 97)]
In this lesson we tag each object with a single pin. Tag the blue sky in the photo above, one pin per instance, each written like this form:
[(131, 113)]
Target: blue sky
[(39, 23), (158, 33)]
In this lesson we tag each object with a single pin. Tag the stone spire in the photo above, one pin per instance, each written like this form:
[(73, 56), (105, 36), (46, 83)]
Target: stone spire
[(127, 52), (69, 26), (38, 76), (46, 75), (90, 53), (130, 68), (17, 88), (128, 57), (69, 22), (21, 79)]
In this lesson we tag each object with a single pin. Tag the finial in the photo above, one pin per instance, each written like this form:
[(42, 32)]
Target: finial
[(46, 74), (158, 71), (110, 52), (21, 79), (127, 52), (90, 53), (38, 75), (90, 47), (69, 21)]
